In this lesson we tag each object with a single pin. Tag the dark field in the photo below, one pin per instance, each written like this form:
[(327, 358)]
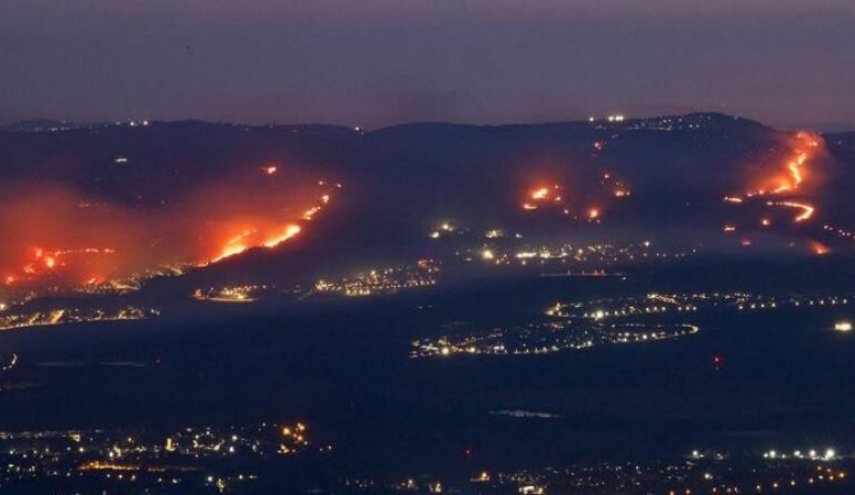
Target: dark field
[(785, 381)]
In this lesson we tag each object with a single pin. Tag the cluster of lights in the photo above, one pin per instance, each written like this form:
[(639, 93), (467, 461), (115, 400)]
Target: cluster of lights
[(231, 294), (700, 475), (658, 303), (588, 260), (547, 338), (811, 454), (445, 228), (383, 281), (149, 459), (24, 318)]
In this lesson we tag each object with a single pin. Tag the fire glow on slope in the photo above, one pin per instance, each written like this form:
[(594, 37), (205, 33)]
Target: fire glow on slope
[(788, 186), (806, 210), (53, 236), (43, 263), (585, 204), (251, 238), (794, 172), (789, 180), (542, 196)]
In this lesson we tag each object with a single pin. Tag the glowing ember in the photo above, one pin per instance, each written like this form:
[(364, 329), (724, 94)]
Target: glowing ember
[(310, 213), (818, 248), (542, 196), (541, 193)]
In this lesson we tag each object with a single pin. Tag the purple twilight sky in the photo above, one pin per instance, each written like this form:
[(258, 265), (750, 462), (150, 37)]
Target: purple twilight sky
[(380, 62)]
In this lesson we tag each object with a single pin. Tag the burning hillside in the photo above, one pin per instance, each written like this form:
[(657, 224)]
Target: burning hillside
[(57, 236)]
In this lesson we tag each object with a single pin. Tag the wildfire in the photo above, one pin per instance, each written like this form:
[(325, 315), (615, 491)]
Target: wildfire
[(42, 263), (251, 238), (790, 180), (795, 169), (49, 239), (236, 245), (268, 237), (818, 248), (541, 193), (806, 210), (289, 232), (794, 173), (573, 197), (310, 213)]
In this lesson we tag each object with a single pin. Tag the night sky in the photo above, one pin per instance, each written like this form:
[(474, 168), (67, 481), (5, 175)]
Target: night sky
[(381, 62)]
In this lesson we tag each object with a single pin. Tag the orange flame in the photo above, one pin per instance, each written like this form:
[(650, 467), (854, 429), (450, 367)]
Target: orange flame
[(806, 210), (50, 236), (818, 248), (794, 174)]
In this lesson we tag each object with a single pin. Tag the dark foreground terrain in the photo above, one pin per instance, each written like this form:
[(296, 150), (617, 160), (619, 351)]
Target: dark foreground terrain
[(744, 385)]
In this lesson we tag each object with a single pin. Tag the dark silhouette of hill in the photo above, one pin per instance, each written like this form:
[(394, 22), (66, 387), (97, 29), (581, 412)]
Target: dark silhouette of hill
[(399, 181)]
